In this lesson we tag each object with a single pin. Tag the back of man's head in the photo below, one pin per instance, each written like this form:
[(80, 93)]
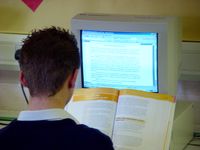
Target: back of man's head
[(47, 58)]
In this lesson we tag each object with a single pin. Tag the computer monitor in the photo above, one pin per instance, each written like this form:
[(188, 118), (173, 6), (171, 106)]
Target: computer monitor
[(119, 60), (128, 52)]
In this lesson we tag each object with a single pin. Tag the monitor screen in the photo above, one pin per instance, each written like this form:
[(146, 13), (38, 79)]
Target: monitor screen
[(122, 60)]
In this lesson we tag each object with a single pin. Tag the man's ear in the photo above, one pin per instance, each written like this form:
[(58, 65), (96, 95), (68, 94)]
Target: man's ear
[(72, 79), (22, 79)]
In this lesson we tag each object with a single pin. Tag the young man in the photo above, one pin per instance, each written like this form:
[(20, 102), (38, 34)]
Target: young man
[(49, 62)]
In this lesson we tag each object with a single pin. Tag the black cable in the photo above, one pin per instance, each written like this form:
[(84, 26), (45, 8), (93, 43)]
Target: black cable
[(17, 57), (22, 87), (4, 124), (194, 144)]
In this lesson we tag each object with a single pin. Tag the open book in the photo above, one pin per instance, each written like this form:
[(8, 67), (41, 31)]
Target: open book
[(135, 120)]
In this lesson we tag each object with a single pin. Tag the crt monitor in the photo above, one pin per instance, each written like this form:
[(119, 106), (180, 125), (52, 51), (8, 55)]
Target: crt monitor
[(122, 60), (127, 51)]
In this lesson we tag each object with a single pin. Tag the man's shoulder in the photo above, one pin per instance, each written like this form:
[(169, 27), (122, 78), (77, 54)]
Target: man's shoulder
[(89, 138), (94, 138), (90, 132)]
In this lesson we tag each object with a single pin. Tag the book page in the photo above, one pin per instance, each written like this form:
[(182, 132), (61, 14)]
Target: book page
[(95, 108), (142, 121)]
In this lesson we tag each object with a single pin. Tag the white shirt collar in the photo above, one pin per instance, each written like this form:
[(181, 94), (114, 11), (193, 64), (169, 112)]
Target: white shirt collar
[(46, 114)]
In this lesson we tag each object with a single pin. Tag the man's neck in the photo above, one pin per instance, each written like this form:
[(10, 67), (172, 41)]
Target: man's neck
[(59, 100), (39, 103)]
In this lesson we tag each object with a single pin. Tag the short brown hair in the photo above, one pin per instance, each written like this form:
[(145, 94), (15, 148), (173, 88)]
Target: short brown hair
[(47, 58)]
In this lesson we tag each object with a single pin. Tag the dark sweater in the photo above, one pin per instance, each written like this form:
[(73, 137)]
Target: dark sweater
[(52, 135)]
